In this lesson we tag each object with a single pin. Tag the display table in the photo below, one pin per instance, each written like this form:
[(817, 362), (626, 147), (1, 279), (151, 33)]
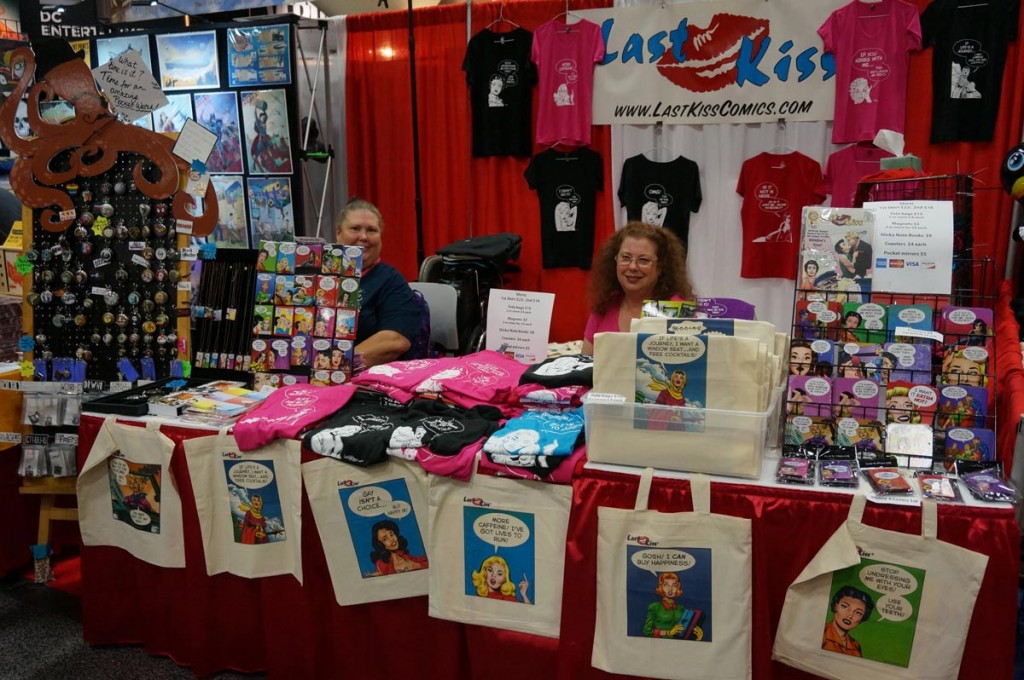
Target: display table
[(292, 630)]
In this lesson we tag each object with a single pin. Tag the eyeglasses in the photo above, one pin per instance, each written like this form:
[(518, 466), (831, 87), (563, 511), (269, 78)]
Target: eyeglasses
[(643, 262)]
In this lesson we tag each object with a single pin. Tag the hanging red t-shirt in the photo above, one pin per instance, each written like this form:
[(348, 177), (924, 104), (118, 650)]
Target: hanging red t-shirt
[(775, 188)]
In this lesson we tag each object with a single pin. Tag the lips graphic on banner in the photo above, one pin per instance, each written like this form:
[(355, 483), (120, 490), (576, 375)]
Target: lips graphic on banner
[(711, 53)]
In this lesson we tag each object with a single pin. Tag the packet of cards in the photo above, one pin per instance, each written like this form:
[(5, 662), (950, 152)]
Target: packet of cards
[(887, 481), (670, 309), (794, 470), (985, 481), (838, 472), (938, 486)]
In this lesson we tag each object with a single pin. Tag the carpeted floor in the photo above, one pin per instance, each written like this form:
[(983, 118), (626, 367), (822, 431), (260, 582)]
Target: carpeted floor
[(41, 638)]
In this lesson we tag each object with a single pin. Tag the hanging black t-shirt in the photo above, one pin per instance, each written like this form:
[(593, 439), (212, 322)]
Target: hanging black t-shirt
[(566, 184), (500, 77), (969, 41), (663, 194)]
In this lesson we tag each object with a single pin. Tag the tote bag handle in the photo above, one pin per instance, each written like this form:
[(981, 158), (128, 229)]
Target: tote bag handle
[(700, 489), (929, 515)]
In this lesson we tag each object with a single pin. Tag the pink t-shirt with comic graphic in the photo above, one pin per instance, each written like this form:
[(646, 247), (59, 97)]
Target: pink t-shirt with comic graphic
[(871, 43), (401, 375), (845, 168), (486, 377), (288, 411), (565, 55)]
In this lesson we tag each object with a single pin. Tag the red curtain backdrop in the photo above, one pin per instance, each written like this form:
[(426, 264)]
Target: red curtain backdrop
[(464, 196)]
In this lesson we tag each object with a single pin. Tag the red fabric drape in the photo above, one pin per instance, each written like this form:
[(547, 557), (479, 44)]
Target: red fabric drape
[(481, 196), (461, 197)]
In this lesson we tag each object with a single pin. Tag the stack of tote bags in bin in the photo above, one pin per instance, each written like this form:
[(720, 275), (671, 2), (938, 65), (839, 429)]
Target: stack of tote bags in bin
[(697, 394)]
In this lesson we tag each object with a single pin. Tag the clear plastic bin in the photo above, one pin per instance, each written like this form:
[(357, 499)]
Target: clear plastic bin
[(680, 438)]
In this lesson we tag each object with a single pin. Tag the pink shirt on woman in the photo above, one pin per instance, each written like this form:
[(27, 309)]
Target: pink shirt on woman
[(607, 322)]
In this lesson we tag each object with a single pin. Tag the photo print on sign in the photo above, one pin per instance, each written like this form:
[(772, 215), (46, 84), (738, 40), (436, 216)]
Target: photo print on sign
[(382, 523), (256, 514), (500, 554), (135, 493)]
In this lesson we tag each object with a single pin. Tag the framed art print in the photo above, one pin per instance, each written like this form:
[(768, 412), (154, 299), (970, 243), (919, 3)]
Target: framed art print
[(218, 113), (230, 231), (171, 118), (108, 48), (270, 209), (259, 56), (188, 61), (267, 140)]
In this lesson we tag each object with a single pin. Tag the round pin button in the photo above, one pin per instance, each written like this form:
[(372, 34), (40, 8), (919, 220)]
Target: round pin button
[(148, 306), (162, 319), (146, 275), (121, 274), (86, 219), (119, 188), (106, 210), (134, 232), (95, 338), (85, 248), (67, 276), (134, 298), (107, 254), (69, 298), (79, 319), (161, 209), (105, 188), (86, 196), (159, 230), (111, 298), (58, 320), (108, 338), (121, 320), (160, 297), (161, 253), (149, 327), (173, 276), (108, 318), (87, 303), (144, 209), (46, 297)]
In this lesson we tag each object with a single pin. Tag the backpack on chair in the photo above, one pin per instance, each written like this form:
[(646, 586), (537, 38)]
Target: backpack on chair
[(421, 347)]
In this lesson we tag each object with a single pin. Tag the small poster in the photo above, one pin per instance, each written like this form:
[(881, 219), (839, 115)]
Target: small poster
[(267, 133), (109, 48), (500, 554), (171, 118), (256, 513), (188, 61), (873, 611), (218, 113), (270, 209), (382, 524), (230, 231), (135, 493), (259, 56), (671, 370), (835, 253), (668, 593)]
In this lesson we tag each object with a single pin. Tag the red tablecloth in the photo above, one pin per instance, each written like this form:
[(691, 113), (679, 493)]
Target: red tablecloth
[(292, 630)]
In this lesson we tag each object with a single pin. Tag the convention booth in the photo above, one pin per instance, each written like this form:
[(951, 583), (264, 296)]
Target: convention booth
[(258, 490)]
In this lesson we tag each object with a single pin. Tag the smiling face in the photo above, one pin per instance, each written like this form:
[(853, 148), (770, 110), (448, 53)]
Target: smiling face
[(362, 228), (849, 613), (900, 408), (495, 575), (637, 281), (388, 539)]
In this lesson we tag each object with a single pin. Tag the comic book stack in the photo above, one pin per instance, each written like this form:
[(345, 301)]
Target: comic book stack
[(305, 314)]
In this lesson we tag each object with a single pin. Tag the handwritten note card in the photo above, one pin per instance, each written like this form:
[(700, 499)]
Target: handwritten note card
[(130, 87), (195, 143)]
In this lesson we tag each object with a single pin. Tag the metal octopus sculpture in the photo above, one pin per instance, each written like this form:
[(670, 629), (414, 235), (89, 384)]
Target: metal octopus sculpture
[(86, 146)]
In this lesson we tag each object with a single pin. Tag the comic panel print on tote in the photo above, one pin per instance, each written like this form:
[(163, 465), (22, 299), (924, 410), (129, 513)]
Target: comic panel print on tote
[(873, 611), (671, 370), (255, 502), (382, 523), (135, 492), (668, 591), (500, 553)]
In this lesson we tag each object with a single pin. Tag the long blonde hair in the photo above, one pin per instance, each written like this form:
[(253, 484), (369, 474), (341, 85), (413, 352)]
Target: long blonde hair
[(480, 577)]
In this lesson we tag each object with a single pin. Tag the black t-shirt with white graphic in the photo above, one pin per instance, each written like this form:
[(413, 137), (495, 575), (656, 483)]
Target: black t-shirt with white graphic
[(969, 41), (445, 429), (564, 371), (566, 184), (663, 194), (359, 432), (501, 79)]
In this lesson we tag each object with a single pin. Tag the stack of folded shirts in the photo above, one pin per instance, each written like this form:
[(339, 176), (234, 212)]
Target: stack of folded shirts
[(536, 439), (482, 378)]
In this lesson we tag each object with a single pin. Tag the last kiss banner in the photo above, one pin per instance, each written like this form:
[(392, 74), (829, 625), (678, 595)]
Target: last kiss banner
[(721, 61)]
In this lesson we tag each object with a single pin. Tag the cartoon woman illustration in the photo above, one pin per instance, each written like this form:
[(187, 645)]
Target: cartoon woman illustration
[(850, 606), (137, 499), (795, 404), (801, 357), (847, 401), (959, 369), (851, 322), (254, 524), (668, 619), (899, 408), (491, 581), (496, 85), (261, 259), (322, 360), (391, 550), (671, 394), (338, 362)]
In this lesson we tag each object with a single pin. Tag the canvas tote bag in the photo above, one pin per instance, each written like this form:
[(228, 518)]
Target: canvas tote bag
[(876, 604), (372, 523), (673, 590), (497, 552), (249, 506), (127, 496)]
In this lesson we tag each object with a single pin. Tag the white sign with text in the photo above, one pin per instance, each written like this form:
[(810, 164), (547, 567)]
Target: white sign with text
[(913, 246), (518, 323)]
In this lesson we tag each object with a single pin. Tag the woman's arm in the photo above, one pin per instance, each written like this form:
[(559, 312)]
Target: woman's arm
[(382, 347)]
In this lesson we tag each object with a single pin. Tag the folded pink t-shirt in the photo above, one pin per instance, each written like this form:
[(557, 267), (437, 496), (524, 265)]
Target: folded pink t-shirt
[(288, 411)]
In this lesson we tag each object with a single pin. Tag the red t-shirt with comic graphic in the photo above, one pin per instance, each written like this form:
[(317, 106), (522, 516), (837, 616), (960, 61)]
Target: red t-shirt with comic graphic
[(775, 188)]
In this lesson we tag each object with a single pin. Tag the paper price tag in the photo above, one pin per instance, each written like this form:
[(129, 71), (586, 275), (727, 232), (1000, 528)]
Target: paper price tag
[(184, 226), (184, 285), (14, 385), (139, 260), (97, 290), (189, 254), (93, 385), (100, 262), (10, 437), (120, 386), (136, 245), (37, 439), (65, 438), (67, 215)]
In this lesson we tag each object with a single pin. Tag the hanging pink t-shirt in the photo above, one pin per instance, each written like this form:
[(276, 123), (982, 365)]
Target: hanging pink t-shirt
[(871, 43), (565, 55), (845, 168)]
